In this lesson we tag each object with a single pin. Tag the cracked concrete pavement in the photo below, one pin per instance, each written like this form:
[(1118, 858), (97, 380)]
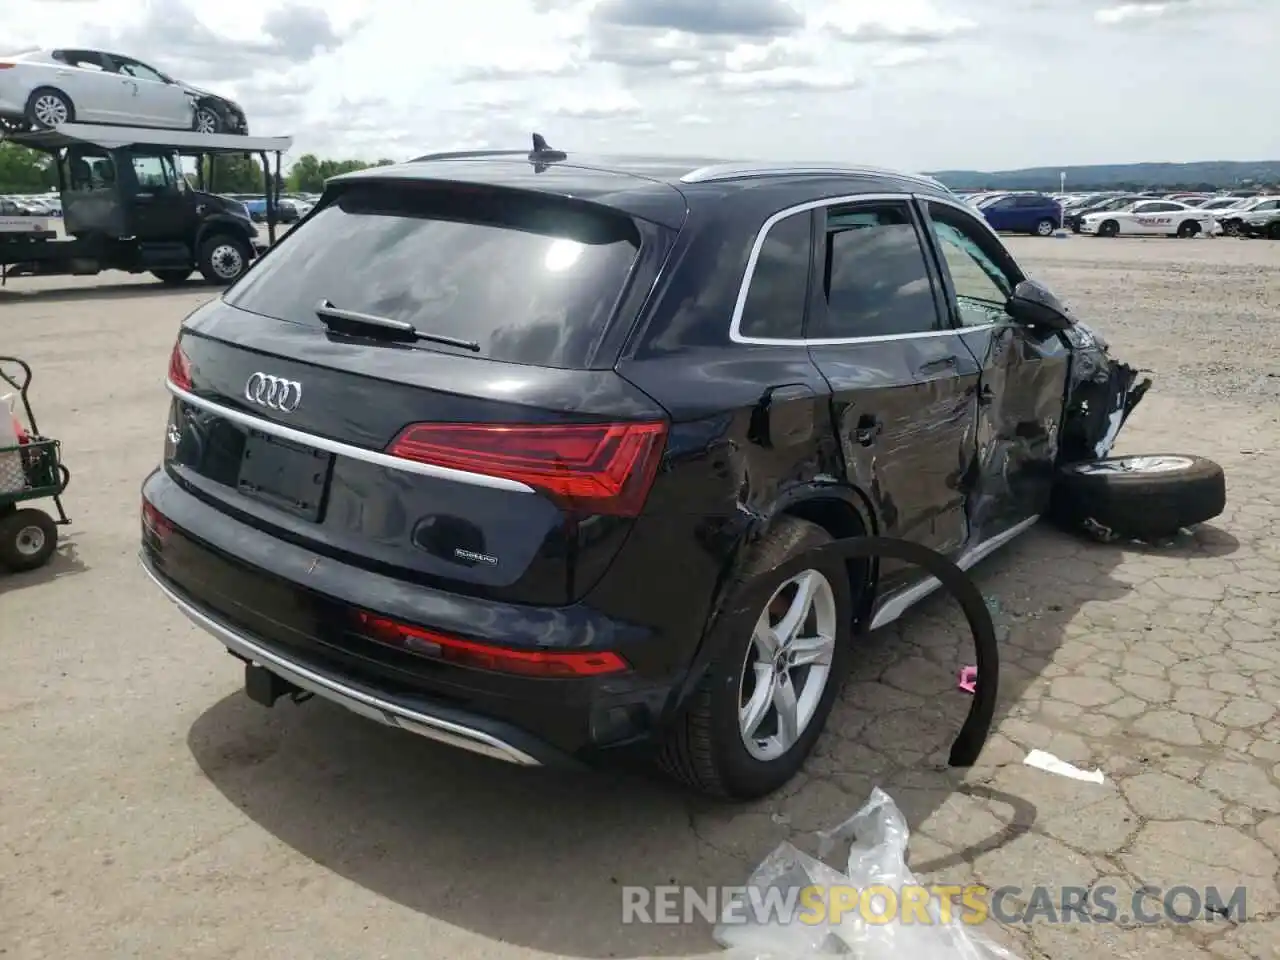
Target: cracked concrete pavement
[(150, 810)]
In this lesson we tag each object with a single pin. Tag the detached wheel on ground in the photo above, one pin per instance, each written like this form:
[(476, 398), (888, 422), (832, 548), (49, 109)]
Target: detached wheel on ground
[(172, 278), (1188, 228), (48, 108), (765, 700), (224, 259), (1147, 497), (27, 539)]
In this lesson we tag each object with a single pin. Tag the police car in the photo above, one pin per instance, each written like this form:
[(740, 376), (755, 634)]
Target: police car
[(1151, 218)]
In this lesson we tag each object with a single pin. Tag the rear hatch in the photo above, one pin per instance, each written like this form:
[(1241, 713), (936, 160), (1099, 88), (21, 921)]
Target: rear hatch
[(418, 380)]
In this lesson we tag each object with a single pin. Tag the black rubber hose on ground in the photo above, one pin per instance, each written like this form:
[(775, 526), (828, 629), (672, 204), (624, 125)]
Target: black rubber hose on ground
[(973, 734)]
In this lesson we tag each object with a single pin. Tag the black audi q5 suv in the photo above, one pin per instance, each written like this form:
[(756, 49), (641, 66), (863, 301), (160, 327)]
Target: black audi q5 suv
[(487, 447)]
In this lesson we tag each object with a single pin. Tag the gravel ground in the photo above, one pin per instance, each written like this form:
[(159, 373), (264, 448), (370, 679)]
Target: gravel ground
[(149, 810), (1201, 312)]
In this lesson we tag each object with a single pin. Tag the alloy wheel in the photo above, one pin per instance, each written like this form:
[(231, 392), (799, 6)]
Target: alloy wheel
[(787, 665)]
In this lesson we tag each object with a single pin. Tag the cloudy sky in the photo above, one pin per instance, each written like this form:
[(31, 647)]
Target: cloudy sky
[(919, 84)]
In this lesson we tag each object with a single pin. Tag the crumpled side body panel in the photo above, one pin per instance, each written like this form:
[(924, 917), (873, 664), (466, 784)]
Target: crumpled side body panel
[(1101, 394)]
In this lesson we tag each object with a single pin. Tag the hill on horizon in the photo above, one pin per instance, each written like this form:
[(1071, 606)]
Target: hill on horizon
[(1199, 174)]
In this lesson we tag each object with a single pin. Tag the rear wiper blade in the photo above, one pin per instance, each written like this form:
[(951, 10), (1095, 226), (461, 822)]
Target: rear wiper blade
[(369, 325)]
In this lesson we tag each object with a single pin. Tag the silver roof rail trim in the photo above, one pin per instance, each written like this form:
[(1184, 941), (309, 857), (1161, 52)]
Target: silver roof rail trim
[(732, 171), (375, 457)]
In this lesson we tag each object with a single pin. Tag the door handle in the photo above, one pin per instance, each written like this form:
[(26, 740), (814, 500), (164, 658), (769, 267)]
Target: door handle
[(867, 430), (941, 363)]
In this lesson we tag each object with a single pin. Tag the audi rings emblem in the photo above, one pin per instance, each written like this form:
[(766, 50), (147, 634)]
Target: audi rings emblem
[(274, 393)]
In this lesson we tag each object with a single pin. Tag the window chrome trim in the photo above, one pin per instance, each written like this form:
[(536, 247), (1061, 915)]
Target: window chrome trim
[(375, 457), (735, 324)]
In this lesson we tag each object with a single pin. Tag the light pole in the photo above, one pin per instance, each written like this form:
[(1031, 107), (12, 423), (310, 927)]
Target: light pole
[(1062, 204)]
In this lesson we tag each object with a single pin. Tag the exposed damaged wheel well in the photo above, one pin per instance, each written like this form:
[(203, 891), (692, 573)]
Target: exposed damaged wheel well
[(842, 519)]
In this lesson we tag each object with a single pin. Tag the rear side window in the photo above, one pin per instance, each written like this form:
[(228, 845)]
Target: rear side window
[(531, 279), (779, 287)]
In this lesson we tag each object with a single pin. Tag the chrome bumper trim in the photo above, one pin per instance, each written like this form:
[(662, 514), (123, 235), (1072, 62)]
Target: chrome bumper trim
[(357, 701)]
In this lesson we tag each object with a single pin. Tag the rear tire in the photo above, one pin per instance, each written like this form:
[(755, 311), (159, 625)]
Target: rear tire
[(707, 747), (1109, 228), (224, 259), (1142, 497), (1045, 228), (171, 278), (48, 107), (1188, 228), (27, 540)]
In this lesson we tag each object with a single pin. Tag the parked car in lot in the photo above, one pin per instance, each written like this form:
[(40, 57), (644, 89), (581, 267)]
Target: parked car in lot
[(1237, 220), (45, 88), (287, 211), (511, 452), (1261, 224), (1160, 218), (1074, 218), (1032, 213)]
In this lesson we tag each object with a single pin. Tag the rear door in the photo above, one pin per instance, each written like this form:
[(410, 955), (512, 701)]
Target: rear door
[(99, 95), (502, 457), (1024, 375), (902, 383)]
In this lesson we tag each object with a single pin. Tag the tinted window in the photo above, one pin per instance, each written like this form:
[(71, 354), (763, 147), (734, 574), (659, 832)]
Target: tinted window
[(982, 285), (780, 282), (875, 276), (531, 279)]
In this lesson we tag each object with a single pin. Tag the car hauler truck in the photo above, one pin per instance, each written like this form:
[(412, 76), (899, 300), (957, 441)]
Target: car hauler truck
[(127, 205)]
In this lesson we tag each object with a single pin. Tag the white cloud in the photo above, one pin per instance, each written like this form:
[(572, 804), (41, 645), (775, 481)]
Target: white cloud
[(918, 84)]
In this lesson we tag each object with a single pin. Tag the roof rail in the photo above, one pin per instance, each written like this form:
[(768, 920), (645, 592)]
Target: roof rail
[(734, 171), (468, 155)]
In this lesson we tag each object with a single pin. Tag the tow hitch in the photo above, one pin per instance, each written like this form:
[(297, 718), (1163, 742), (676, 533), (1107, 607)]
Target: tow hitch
[(266, 688)]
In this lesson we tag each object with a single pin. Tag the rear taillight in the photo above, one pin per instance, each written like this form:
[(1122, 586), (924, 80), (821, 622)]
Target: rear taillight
[(179, 368), (597, 468), (155, 522), (7, 65), (484, 656)]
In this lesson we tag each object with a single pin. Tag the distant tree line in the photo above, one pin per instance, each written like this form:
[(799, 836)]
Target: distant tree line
[(31, 171)]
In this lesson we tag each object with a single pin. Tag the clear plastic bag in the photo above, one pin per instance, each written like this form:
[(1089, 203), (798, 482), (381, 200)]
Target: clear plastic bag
[(877, 858)]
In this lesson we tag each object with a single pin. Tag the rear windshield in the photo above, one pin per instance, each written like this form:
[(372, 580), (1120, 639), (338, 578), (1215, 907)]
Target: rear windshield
[(531, 279)]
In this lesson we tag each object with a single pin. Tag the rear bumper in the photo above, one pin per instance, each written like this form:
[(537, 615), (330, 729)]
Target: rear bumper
[(455, 728), (277, 604)]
